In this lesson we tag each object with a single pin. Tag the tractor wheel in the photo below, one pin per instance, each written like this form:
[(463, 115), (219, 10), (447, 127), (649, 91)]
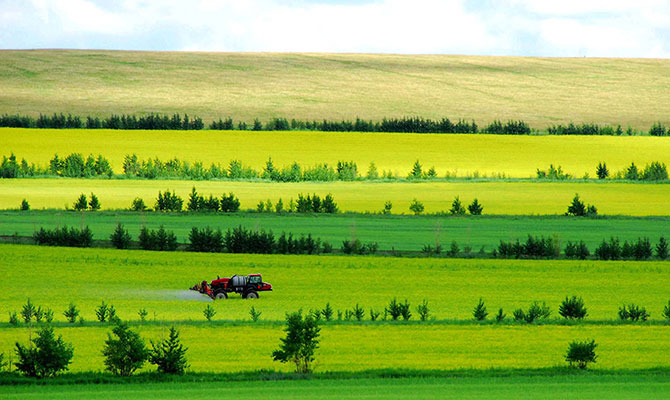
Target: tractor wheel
[(220, 296), (251, 295)]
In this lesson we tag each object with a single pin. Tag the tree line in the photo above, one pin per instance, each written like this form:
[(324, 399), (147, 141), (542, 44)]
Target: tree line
[(396, 125)]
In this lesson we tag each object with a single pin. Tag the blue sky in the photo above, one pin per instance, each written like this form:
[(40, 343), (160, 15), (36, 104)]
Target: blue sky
[(573, 28)]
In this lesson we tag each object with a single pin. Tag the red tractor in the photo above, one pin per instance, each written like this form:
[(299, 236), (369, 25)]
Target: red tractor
[(248, 286)]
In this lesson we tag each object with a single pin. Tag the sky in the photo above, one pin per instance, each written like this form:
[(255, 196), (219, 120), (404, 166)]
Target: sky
[(566, 28)]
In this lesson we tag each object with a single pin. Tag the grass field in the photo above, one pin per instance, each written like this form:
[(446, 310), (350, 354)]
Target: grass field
[(587, 386), (497, 197), (54, 277), (460, 155), (158, 281), (541, 91), (398, 232)]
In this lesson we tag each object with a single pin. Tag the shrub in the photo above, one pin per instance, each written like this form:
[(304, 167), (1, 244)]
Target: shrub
[(535, 312), (71, 313), (633, 312), (423, 310), (358, 312), (125, 353), (94, 203), (657, 130), (46, 357), (120, 238), (666, 311), (13, 318), (475, 208), (577, 250), (230, 203), (255, 314), (209, 312), (24, 205), (374, 314), (81, 204), (480, 312), (396, 310), (300, 343), (169, 355), (632, 173), (416, 207), (552, 173), (662, 248), (387, 208), (572, 308), (138, 204), (500, 317), (142, 313), (581, 353)]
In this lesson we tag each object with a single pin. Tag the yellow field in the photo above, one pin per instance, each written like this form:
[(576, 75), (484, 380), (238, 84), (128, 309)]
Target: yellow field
[(462, 155), (350, 347), (541, 91), (497, 197)]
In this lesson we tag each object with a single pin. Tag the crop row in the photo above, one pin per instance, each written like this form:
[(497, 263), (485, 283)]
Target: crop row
[(400, 125), (76, 166)]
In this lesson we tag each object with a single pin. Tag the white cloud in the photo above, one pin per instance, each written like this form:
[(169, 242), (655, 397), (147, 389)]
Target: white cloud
[(514, 27)]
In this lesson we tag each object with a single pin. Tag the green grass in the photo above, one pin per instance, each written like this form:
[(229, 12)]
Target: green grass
[(497, 197), (585, 386), (542, 91), (158, 282), (407, 233)]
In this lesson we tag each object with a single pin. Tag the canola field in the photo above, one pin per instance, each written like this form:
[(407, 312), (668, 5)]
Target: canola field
[(314, 86), (130, 280), (497, 197), (456, 155)]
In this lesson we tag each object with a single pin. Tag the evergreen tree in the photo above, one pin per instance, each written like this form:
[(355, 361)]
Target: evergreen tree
[(662, 248), (169, 355), (577, 208), (94, 203), (125, 353), (602, 171), (416, 172), (475, 208), (300, 343), (456, 207), (120, 238), (46, 357), (81, 204)]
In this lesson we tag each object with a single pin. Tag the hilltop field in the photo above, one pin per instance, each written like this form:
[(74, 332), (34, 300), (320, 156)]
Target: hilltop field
[(244, 86)]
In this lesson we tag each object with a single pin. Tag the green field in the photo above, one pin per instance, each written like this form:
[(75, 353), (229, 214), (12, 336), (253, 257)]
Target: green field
[(130, 280), (587, 386), (497, 197), (541, 91), (456, 155), (407, 233), (631, 386)]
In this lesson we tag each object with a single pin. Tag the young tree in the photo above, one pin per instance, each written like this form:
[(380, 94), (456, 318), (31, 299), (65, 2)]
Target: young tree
[(169, 355), (416, 172), (125, 353), (300, 343), (46, 357), (475, 208), (138, 204), (94, 203), (387, 208), (24, 205), (71, 313), (423, 310), (480, 312), (577, 208), (581, 353), (662, 249), (81, 204), (120, 238), (456, 207), (602, 171), (416, 207)]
